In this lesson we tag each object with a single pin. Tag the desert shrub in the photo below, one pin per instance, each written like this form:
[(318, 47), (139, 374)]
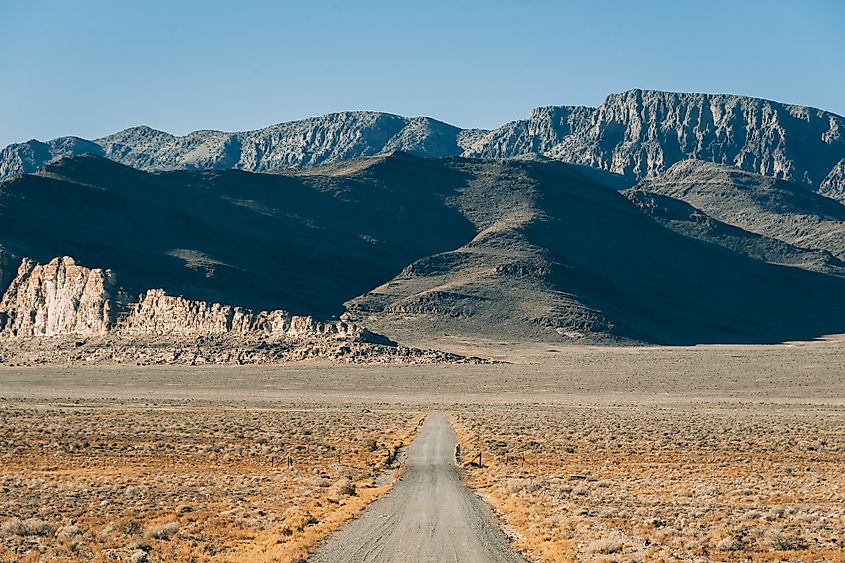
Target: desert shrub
[(779, 540), (295, 520), (162, 531), (68, 532), (128, 526), (604, 547), (29, 527), (342, 488)]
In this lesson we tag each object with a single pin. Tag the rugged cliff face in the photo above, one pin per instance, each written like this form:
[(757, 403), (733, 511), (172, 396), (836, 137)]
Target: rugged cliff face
[(161, 314), (833, 185), (62, 298), (539, 134), (642, 133), (331, 138), (58, 298), (638, 133)]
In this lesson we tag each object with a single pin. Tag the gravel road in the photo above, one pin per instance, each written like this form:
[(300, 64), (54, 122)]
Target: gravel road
[(428, 516)]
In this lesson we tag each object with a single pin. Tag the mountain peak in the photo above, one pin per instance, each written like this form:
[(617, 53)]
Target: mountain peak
[(637, 134)]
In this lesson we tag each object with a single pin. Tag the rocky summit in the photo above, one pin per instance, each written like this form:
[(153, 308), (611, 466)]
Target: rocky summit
[(637, 134)]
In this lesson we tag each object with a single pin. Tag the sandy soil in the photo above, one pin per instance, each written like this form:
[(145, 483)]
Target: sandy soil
[(678, 454)]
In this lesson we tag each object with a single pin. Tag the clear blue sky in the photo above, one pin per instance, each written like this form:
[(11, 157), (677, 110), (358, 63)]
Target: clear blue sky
[(89, 68)]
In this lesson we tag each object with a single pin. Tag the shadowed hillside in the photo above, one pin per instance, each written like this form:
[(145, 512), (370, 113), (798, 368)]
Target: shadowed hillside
[(304, 244), (417, 248)]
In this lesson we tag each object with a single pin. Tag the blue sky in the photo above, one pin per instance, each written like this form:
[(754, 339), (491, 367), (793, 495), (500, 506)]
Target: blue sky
[(89, 67)]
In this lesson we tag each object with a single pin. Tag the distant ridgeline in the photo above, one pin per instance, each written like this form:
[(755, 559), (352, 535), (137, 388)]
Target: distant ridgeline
[(637, 134)]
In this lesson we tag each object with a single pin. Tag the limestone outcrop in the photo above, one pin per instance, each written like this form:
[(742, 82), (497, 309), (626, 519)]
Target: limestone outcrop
[(67, 314), (160, 314), (64, 298), (60, 297)]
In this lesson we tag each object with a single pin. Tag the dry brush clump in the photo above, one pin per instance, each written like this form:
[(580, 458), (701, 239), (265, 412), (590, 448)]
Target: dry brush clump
[(111, 483), (727, 483)]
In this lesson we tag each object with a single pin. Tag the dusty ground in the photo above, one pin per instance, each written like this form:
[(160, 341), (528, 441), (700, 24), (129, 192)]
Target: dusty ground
[(117, 481), (645, 454)]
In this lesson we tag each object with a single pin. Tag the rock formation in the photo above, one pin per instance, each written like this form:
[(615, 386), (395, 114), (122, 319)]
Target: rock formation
[(58, 298), (63, 298), (160, 314), (64, 313), (638, 133)]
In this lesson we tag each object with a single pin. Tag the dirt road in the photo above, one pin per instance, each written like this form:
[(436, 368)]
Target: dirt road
[(429, 515)]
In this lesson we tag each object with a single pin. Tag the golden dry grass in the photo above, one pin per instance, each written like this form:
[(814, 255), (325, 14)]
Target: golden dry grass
[(186, 484), (632, 483)]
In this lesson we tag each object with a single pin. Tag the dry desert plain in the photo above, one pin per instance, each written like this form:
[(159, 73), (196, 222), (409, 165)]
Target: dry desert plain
[(711, 453)]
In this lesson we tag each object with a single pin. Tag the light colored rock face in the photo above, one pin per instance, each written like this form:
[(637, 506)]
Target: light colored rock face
[(64, 298), (636, 133), (57, 298), (833, 185), (539, 134), (160, 314), (330, 138), (24, 158), (642, 133)]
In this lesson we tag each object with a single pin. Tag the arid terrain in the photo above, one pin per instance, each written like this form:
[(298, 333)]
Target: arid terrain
[(726, 453)]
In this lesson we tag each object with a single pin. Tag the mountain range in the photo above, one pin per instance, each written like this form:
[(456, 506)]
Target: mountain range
[(636, 134), (416, 248), (657, 217)]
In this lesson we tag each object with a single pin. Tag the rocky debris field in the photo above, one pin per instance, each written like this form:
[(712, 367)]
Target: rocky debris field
[(213, 349)]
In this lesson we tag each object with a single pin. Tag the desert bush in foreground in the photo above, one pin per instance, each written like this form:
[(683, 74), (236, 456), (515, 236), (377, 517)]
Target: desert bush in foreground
[(176, 482), (734, 483)]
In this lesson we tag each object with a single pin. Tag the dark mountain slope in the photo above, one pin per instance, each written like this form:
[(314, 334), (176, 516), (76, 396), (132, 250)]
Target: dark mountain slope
[(562, 255), (306, 244), (766, 206), (416, 248), (689, 221)]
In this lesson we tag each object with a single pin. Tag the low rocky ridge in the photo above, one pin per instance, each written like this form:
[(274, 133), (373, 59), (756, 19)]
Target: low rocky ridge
[(758, 204), (637, 134), (694, 223), (62, 312)]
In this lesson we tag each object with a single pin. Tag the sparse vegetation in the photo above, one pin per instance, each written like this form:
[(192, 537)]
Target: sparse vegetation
[(112, 483), (716, 482)]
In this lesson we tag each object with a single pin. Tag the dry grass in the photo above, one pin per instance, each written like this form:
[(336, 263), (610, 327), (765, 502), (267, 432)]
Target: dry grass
[(633, 483), (186, 484)]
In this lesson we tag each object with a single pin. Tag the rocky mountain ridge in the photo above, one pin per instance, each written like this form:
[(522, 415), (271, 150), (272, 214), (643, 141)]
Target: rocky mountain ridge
[(637, 134)]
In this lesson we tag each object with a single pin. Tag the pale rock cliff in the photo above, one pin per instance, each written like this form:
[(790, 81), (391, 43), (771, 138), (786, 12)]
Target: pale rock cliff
[(833, 185), (58, 298), (62, 298), (161, 314), (642, 133)]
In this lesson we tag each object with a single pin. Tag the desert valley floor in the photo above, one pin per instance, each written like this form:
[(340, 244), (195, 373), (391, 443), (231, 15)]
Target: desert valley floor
[(708, 453)]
